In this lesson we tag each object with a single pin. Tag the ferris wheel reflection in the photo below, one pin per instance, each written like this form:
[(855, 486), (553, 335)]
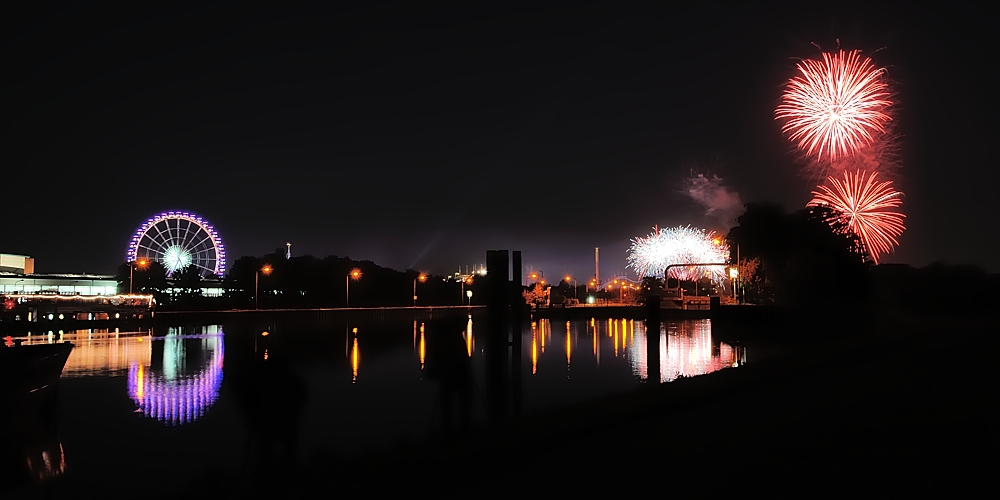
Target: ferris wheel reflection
[(182, 380)]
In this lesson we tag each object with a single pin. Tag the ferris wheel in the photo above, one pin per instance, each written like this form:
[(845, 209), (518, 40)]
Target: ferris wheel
[(178, 240)]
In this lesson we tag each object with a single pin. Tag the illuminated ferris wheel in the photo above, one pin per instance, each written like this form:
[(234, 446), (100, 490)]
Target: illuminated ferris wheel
[(178, 240)]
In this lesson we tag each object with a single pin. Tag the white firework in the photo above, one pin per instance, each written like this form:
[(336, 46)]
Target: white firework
[(650, 255)]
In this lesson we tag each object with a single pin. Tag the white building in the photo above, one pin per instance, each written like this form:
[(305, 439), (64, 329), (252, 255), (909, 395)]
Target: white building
[(17, 275), (62, 284)]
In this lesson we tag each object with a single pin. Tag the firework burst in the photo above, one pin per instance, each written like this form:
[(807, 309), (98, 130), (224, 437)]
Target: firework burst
[(836, 107), (650, 255), (867, 207)]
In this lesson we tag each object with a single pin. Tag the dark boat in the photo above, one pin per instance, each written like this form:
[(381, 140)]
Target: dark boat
[(29, 375), (30, 450)]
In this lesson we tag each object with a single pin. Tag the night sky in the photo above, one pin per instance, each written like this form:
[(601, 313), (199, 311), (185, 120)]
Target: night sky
[(420, 137)]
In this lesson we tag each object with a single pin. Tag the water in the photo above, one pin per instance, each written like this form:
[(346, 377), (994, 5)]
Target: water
[(195, 399)]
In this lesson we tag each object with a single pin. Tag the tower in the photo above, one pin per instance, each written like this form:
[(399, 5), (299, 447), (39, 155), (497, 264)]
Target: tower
[(597, 266), (288, 251)]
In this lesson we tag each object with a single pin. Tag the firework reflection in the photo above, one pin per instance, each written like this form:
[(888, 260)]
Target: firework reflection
[(686, 350)]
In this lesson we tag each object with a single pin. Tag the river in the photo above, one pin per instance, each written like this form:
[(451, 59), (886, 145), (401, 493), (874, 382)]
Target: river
[(175, 402)]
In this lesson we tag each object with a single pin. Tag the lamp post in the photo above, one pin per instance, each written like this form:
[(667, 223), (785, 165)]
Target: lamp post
[(256, 280), (355, 275), (422, 278), (466, 281), (141, 263), (574, 285), (733, 274)]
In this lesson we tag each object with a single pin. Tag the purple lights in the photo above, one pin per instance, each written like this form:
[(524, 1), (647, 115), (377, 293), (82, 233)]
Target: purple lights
[(170, 394), (178, 240)]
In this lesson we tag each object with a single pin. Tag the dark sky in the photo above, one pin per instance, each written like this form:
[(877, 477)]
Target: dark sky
[(422, 137)]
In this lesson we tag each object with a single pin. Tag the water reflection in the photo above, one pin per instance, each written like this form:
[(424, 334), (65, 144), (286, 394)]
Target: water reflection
[(287, 387), (98, 351), (355, 360), (685, 350), (33, 453), (448, 362), (182, 381), (423, 347)]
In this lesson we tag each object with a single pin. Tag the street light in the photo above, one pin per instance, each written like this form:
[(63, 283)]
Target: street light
[(466, 281), (574, 285), (422, 278), (355, 275), (141, 263), (256, 280), (733, 274)]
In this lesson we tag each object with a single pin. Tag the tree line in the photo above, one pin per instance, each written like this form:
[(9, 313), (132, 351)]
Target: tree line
[(299, 282)]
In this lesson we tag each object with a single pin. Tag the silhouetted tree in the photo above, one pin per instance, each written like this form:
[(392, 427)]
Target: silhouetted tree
[(187, 282), (806, 257), (151, 279), (239, 281)]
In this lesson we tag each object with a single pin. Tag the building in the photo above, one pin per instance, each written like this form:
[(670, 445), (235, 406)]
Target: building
[(63, 300), (58, 284), (17, 276), (17, 264)]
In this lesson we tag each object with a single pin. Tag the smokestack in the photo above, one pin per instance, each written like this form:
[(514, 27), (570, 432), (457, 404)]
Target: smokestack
[(597, 266)]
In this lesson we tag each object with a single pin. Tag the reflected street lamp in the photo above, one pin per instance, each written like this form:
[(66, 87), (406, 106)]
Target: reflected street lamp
[(256, 281), (142, 264), (355, 275), (422, 278)]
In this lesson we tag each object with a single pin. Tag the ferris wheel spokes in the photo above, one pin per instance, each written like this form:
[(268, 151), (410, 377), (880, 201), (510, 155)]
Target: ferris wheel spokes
[(178, 240)]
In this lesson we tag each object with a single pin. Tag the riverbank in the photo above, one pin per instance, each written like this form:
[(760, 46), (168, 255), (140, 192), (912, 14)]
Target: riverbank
[(907, 407)]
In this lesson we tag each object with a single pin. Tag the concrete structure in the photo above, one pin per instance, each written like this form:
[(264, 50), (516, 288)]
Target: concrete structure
[(18, 264)]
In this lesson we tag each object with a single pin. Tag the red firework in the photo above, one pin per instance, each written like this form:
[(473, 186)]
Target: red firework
[(836, 106), (867, 207)]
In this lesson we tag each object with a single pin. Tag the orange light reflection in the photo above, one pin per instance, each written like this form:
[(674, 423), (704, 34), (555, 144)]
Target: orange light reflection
[(355, 360), (534, 352), (140, 383), (423, 346), (468, 337), (569, 348)]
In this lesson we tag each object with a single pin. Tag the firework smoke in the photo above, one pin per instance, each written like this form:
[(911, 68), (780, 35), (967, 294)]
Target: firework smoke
[(719, 201), (881, 156)]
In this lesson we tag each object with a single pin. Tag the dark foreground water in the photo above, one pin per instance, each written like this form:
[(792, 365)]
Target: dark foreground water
[(145, 412)]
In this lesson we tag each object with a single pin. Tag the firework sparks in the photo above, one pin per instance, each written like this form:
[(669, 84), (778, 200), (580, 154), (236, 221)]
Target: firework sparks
[(836, 106), (650, 255), (867, 207)]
